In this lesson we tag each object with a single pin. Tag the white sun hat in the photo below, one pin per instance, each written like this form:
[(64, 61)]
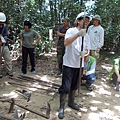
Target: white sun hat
[(2, 17)]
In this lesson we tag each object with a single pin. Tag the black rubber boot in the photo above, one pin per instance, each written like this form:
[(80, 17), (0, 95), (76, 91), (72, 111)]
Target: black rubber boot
[(0, 73), (60, 69), (62, 104), (71, 99), (1, 76)]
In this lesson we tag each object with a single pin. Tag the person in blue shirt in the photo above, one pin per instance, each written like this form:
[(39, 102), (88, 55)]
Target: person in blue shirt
[(89, 71), (4, 50)]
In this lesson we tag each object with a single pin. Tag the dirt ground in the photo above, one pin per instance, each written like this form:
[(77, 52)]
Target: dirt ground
[(103, 103)]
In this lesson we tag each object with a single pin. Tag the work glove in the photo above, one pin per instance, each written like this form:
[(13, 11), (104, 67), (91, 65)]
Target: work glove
[(97, 50), (84, 72), (82, 32), (2, 39), (82, 54)]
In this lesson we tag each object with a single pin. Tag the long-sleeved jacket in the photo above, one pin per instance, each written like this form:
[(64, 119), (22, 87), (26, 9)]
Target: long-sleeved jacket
[(96, 34)]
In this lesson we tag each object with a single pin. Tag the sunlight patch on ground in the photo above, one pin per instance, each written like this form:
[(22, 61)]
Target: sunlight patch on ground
[(68, 109), (103, 91), (103, 79), (102, 116), (51, 93), (44, 78), (93, 108), (37, 76), (106, 67), (93, 116), (79, 114), (108, 112), (93, 94), (117, 108), (83, 109), (33, 89), (11, 95), (105, 85), (95, 102), (107, 104), (39, 86), (117, 95)]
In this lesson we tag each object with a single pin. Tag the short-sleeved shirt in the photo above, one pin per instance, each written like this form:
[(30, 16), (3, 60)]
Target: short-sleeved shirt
[(63, 30), (28, 37), (71, 57)]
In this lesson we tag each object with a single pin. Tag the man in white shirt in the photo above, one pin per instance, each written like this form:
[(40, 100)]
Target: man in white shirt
[(96, 33), (71, 62)]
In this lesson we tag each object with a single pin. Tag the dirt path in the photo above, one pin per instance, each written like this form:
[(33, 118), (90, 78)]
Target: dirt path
[(100, 104)]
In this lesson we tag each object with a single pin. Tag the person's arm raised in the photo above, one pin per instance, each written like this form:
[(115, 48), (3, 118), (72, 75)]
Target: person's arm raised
[(68, 41)]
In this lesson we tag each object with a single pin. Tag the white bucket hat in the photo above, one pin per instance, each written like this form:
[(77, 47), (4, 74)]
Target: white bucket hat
[(87, 53), (97, 17), (2, 17), (83, 14)]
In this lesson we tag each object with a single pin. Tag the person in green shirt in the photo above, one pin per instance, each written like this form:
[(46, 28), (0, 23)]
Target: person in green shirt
[(89, 71), (28, 40), (115, 73)]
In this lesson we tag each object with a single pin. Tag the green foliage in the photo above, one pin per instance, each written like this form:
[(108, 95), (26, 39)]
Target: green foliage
[(17, 11), (64, 8), (45, 14)]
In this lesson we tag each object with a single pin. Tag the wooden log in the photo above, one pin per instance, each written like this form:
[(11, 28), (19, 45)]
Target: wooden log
[(47, 89), (39, 80), (44, 83), (6, 118), (47, 115), (11, 105)]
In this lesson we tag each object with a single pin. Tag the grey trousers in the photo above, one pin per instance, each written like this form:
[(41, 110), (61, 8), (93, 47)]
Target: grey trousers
[(5, 53)]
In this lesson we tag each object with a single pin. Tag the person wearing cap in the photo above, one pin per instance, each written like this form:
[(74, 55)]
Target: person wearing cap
[(89, 71), (4, 50), (60, 44), (71, 62), (114, 74), (29, 39), (96, 33)]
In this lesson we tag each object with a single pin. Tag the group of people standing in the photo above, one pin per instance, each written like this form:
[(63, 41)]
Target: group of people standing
[(4, 50), (70, 60), (69, 54), (28, 40)]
